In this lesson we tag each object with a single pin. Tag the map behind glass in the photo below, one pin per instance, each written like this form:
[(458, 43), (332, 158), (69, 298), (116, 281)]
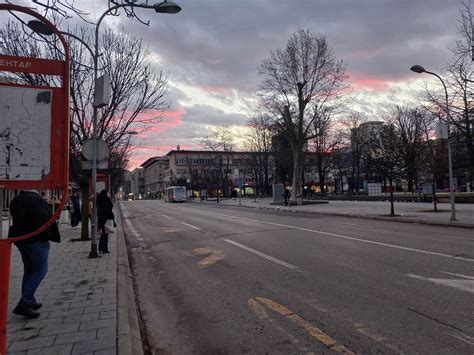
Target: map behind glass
[(25, 133)]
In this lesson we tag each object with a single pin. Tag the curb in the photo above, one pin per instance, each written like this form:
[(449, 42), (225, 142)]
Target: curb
[(129, 339), (381, 218)]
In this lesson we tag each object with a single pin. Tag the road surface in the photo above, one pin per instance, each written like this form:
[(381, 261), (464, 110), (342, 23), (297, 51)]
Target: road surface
[(226, 280)]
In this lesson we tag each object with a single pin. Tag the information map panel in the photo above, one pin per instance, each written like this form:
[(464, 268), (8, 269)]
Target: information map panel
[(25, 133)]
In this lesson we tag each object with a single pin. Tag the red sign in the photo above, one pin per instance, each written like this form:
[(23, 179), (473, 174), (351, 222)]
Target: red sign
[(31, 65)]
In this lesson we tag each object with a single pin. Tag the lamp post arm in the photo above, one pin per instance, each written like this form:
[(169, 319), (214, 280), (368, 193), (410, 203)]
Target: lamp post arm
[(116, 7), (80, 40), (445, 93)]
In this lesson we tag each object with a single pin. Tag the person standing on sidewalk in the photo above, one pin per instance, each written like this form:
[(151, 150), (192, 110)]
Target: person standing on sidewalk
[(75, 209), (29, 212), (104, 213), (287, 196)]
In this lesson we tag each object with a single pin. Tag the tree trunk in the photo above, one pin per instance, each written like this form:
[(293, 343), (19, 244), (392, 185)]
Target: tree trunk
[(392, 208), (297, 173)]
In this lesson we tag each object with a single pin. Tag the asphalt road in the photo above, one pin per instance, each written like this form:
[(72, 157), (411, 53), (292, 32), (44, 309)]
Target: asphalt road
[(228, 280)]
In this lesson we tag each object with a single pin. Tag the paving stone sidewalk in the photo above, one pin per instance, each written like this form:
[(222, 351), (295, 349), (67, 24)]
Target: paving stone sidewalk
[(79, 296)]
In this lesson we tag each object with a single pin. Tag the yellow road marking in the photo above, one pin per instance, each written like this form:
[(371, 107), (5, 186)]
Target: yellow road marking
[(312, 330), (275, 306), (201, 251), (168, 229), (210, 260), (258, 309), (214, 257)]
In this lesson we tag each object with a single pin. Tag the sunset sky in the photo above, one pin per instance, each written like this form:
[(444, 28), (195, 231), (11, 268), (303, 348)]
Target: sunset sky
[(212, 49)]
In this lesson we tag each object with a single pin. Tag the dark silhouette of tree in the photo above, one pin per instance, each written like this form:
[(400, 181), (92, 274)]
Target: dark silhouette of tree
[(384, 151), (299, 83), (221, 142), (259, 146), (409, 125)]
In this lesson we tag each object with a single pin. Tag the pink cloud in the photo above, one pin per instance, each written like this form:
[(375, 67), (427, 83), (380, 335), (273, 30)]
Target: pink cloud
[(142, 153), (361, 81), (171, 119)]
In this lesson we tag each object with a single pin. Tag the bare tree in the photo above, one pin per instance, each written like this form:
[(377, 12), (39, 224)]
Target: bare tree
[(259, 145), (221, 142), (137, 93), (409, 126), (325, 140), (459, 79), (68, 9), (433, 159), (299, 83), (359, 144), (384, 151)]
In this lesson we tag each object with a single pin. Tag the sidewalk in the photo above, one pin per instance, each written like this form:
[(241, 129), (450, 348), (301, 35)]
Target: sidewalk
[(79, 296), (414, 212)]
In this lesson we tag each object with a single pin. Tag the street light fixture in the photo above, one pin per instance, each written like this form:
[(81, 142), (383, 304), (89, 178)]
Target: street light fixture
[(420, 69), (167, 7), (164, 7)]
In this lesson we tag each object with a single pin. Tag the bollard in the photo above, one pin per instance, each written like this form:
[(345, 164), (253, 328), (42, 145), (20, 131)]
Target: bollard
[(5, 255)]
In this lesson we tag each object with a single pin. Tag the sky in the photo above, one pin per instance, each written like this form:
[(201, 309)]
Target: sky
[(212, 48)]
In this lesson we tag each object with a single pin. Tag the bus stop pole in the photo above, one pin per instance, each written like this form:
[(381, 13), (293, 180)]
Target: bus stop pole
[(5, 255)]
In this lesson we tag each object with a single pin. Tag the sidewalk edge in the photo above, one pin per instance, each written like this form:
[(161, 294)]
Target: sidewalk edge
[(129, 339), (382, 218)]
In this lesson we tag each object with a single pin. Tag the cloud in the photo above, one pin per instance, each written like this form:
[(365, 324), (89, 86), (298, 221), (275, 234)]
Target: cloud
[(212, 50)]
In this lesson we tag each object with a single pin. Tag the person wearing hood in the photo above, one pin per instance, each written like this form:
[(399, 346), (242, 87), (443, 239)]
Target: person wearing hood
[(29, 212)]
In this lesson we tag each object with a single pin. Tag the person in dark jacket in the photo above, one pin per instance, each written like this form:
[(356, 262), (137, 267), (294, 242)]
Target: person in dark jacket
[(287, 196), (29, 212), (75, 209), (104, 213)]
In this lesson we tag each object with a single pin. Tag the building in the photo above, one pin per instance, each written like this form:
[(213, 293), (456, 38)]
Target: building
[(154, 176), (138, 183), (126, 189)]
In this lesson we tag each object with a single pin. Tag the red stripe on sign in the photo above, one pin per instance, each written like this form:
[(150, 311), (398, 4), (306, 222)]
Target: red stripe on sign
[(31, 65)]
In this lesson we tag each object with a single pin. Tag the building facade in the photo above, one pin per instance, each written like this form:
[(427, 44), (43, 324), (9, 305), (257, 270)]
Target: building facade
[(154, 176), (138, 183)]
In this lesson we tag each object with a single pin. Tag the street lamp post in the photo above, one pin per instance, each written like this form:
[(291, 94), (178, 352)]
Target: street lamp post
[(164, 7), (419, 69)]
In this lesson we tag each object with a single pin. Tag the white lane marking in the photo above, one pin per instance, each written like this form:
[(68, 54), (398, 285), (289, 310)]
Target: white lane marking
[(132, 229), (245, 219), (463, 285), (465, 338), (263, 255), (452, 236), (125, 213), (167, 216), (420, 251), (389, 245), (352, 224), (459, 275), (190, 225)]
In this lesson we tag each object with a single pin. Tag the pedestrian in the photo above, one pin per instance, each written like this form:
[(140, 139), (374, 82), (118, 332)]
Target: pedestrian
[(29, 212), (75, 209), (287, 196), (104, 213)]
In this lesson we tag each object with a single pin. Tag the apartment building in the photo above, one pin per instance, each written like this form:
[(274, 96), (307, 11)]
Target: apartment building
[(138, 183), (154, 176)]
